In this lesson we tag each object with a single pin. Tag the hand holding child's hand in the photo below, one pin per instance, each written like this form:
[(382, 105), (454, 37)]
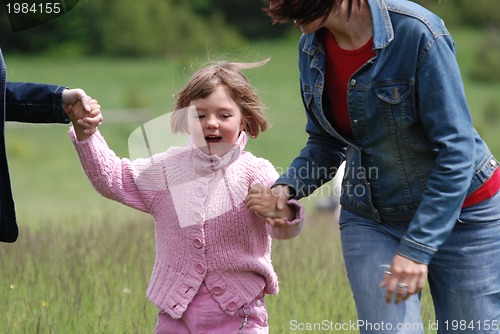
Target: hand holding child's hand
[(85, 123), (71, 96), (265, 203), (262, 201)]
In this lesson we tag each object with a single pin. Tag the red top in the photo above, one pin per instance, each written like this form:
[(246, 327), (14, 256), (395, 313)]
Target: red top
[(340, 65), (487, 190)]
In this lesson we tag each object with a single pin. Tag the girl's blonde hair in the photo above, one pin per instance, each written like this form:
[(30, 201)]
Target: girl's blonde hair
[(227, 74)]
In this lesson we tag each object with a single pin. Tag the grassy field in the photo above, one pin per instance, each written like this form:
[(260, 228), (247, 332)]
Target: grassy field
[(82, 263)]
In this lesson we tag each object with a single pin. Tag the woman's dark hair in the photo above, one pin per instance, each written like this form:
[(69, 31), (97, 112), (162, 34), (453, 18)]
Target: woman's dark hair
[(304, 11)]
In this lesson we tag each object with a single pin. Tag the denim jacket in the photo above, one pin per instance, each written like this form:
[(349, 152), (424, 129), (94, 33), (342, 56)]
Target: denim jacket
[(22, 102), (414, 155)]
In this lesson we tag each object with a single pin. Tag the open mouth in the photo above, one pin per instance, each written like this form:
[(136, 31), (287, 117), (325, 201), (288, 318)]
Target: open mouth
[(213, 139)]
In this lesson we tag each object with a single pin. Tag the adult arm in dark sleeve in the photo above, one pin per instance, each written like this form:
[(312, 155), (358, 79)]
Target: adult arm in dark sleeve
[(34, 103)]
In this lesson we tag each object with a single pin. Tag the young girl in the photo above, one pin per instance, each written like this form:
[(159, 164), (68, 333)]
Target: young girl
[(213, 256)]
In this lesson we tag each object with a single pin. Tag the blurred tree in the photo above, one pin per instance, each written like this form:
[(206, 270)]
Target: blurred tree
[(69, 28), (247, 17), (152, 27), (479, 13), (486, 66), (483, 14), (126, 28)]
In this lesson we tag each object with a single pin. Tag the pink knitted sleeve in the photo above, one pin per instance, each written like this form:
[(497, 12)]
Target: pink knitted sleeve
[(111, 176)]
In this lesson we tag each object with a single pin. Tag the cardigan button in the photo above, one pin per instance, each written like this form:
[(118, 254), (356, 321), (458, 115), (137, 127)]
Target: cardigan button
[(198, 217), (200, 269), (200, 192), (197, 243), (217, 291), (231, 307)]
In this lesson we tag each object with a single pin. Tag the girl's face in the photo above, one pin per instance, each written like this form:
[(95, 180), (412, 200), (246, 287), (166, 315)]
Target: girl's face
[(216, 122)]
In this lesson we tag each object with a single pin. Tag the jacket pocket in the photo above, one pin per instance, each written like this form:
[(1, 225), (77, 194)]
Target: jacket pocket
[(393, 99)]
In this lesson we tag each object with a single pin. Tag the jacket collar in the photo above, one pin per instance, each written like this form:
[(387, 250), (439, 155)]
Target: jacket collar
[(383, 32)]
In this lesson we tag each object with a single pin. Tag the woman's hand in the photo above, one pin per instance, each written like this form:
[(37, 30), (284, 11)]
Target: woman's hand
[(270, 204), (403, 279), (71, 96)]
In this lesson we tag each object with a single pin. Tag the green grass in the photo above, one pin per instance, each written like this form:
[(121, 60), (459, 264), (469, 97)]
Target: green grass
[(82, 262), (93, 281), (92, 278)]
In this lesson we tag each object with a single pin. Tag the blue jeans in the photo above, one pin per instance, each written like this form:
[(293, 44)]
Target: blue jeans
[(464, 275)]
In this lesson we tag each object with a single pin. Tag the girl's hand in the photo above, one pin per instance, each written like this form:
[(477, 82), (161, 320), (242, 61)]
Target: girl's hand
[(85, 123)]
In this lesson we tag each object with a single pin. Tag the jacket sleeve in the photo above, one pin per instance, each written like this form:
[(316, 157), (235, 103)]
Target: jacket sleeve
[(446, 119), (118, 179), (34, 103)]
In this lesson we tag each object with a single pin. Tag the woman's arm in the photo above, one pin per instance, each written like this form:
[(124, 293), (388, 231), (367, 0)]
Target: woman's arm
[(39, 103)]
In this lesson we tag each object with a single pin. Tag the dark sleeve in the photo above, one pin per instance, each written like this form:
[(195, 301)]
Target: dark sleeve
[(34, 103)]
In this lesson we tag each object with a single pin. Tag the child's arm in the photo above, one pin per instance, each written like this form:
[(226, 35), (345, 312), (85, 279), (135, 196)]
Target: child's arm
[(84, 122), (285, 223), (129, 182)]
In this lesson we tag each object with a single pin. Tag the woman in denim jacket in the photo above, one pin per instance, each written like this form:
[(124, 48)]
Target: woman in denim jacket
[(382, 90), (30, 103)]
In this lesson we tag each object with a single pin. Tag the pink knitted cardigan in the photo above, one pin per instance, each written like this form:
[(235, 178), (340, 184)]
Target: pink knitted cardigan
[(204, 233)]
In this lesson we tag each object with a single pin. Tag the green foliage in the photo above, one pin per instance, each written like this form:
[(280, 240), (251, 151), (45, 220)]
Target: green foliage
[(246, 17), (174, 27), (126, 28), (70, 27), (478, 13), (482, 15), (492, 112), (133, 28), (486, 67)]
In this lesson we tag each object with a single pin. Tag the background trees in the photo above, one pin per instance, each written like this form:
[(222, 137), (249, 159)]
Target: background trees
[(130, 28), (172, 27), (143, 28)]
